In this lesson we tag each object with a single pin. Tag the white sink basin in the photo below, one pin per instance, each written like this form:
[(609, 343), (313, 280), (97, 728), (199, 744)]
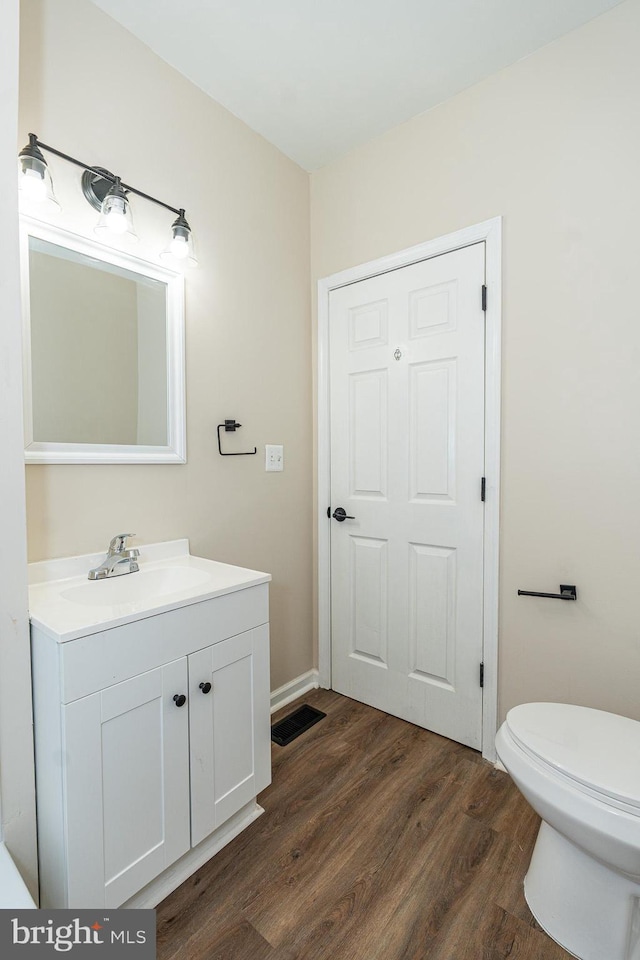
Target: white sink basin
[(136, 587), (65, 605)]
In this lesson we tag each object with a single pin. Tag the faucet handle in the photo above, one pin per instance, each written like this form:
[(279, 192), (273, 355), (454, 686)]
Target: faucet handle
[(119, 542)]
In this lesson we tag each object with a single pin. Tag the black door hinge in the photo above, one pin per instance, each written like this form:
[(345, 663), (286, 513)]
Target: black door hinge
[(483, 489), (484, 296), (482, 674)]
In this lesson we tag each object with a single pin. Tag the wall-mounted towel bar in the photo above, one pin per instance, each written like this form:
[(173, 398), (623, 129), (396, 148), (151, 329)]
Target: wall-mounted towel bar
[(567, 592), (231, 426)]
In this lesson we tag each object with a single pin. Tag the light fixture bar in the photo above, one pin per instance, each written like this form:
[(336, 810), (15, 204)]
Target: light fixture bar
[(102, 173), (105, 192)]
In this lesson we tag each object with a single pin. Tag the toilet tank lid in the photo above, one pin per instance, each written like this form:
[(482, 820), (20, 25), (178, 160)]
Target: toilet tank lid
[(600, 750)]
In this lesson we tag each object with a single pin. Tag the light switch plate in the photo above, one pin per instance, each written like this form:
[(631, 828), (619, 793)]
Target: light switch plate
[(274, 457)]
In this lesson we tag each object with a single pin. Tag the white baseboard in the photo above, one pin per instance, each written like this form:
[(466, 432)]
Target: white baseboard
[(294, 689), (499, 765)]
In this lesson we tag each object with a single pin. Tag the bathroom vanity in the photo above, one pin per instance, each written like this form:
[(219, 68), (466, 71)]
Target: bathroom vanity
[(152, 735)]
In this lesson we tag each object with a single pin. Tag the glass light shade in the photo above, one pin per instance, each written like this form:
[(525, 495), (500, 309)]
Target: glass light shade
[(180, 247), (35, 182), (115, 215)]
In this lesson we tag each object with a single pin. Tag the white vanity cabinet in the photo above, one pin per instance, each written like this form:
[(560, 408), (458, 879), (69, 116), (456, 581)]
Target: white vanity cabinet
[(152, 742)]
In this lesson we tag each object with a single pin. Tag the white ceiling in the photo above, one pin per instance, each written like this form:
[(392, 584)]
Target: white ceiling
[(318, 77)]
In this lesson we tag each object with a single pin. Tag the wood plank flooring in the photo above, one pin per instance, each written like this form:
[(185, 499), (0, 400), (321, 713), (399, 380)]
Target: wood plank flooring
[(380, 841)]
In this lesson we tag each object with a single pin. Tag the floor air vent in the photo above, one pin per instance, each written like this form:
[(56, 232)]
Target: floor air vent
[(296, 723)]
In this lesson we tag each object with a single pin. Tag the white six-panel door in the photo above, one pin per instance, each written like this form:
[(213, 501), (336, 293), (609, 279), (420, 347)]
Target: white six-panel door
[(407, 459)]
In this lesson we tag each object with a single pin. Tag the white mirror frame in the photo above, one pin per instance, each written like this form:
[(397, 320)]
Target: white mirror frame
[(37, 451)]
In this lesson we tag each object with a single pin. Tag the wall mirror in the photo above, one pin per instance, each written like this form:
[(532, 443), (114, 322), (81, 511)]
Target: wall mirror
[(103, 352)]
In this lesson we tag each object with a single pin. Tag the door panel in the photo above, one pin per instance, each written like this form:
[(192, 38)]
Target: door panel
[(233, 727), (407, 457), (432, 430), (369, 576), (127, 786), (368, 434), (132, 783), (368, 325), (432, 606), (230, 756)]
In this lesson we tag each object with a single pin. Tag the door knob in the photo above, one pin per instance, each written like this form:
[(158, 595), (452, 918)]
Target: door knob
[(340, 514), (179, 699), (205, 687)]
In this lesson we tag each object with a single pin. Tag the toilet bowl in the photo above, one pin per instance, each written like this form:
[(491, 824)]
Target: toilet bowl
[(580, 770)]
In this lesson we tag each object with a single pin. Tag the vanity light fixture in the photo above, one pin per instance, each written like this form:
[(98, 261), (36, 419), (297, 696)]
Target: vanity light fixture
[(35, 179), (106, 193), (181, 244), (115, 213)]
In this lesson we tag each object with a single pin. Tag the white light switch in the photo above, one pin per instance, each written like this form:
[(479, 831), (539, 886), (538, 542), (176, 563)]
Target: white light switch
[(274, 456)]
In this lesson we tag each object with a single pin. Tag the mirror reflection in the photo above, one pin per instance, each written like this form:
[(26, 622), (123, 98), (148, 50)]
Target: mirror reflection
[(98, 350)]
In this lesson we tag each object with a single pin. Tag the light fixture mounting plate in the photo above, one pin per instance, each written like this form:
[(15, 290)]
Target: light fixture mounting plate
[(95, 186)]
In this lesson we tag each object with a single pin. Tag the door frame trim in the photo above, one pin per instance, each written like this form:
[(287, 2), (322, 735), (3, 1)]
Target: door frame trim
[(489, 232)]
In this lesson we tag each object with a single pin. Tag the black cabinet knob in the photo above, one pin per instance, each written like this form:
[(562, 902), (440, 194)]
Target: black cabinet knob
[(179, 699), (205, 687)]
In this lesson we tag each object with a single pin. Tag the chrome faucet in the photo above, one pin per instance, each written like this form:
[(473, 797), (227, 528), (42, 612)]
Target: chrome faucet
[(119, 559)]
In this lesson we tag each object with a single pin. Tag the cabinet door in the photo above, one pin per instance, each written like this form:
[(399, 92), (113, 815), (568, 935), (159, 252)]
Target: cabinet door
[(127, 785), (229, 726)]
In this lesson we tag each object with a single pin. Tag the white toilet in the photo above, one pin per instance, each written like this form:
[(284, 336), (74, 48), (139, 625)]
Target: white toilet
[(580, 771)]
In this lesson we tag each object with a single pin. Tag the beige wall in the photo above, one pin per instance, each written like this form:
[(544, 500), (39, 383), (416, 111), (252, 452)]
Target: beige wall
[(91, 89), (551, 144)]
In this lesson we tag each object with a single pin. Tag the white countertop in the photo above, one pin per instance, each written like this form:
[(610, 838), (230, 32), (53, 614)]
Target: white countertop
[(65, 605)]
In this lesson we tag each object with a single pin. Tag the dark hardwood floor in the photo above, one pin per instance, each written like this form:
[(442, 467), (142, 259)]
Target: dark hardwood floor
[(380, 841)]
